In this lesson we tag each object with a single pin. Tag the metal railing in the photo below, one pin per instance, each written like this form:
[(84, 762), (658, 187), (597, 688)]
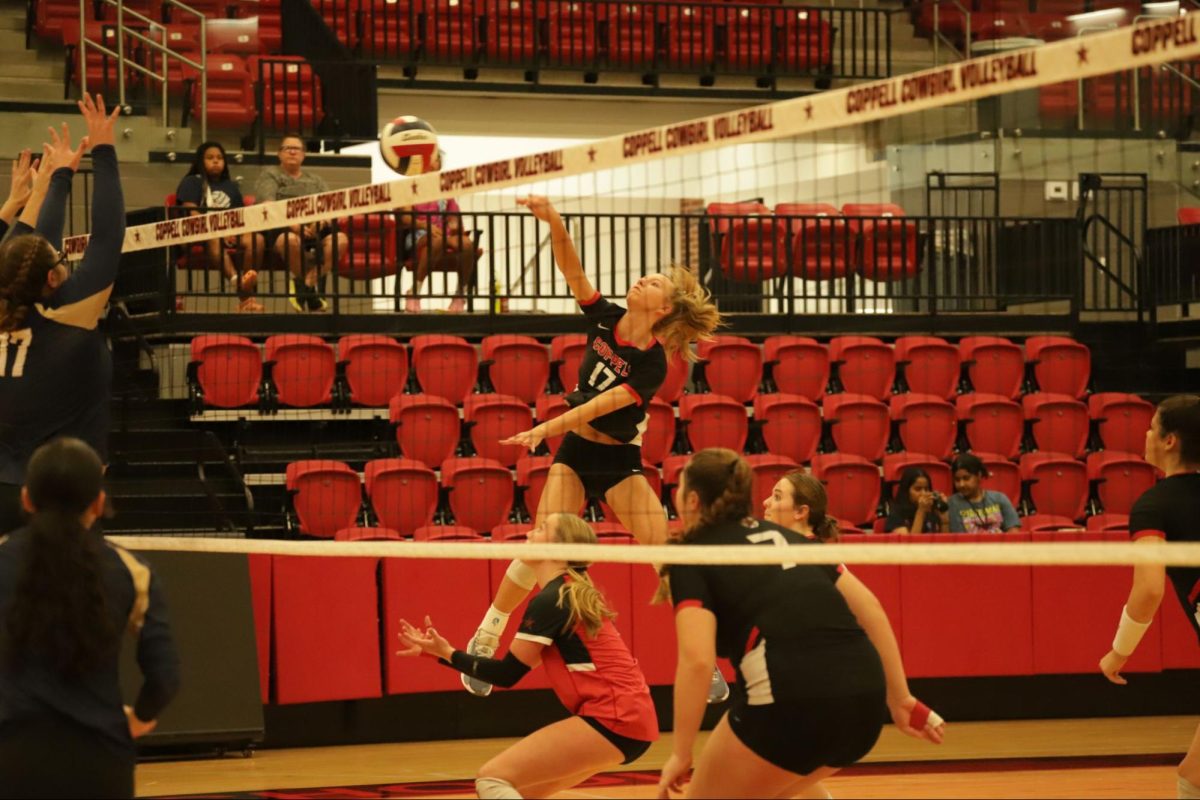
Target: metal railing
[(940, 38)]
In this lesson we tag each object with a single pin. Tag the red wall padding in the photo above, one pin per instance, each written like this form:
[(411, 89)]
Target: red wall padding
[(326, 629), (882, 579), (653, 642), (260, 592)]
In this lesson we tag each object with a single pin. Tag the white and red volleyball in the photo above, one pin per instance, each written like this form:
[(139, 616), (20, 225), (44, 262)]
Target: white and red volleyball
[(408, 145)]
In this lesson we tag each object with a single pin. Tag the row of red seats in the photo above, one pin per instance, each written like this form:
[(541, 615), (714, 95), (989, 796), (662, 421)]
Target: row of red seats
[(58, 21), (320, 636), (814, 241), (229, 367), (572, 34), (1049, 20), (1107, 96)]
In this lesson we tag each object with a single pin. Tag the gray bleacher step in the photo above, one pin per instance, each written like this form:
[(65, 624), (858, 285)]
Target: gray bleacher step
[(46, 70), (30, 88)]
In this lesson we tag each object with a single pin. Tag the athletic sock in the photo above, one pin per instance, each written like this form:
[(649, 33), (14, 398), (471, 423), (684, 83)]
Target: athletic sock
[(495, 789), (1186, 790)]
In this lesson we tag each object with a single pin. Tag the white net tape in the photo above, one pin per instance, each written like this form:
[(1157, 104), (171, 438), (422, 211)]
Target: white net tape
[(997, 553)]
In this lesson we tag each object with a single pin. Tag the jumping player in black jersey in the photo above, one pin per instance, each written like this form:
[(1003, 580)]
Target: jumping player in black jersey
[(601, 455), (568, 629), (816, 659), (1168, 510), (55, 367)]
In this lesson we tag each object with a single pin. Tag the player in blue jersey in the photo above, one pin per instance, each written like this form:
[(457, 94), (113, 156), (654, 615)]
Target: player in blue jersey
[(55, 366)]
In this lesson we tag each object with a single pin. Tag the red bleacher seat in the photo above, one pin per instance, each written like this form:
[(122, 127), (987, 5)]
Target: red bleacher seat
[(993, 423), (671, 467), (630, 29), (548, 407), (1059, 101), (392, 29), (768, 470), (511, 532), (517, 365), (532, 472), (889, 245), (228, 369), (573, 34), (1108, 522), (860, 424), (481, 492), (749, 38), (427, 427), (566, 353), (1121, 420), (679, 369), (1059, 423), (376, 367), (852, 484), (689, 34), (372, 534), (994, 364), (894, 465), (714, 421), (799, 365), (927, 423), (791, 425), (302, 368), (492, 418), (238, 36), (732, 366), (326, 496), (1121, 478), (1003, 476), (821, 248), (807, 41), (445, 365), (660, 431), (930, 365), (865, 365), (511, 32), (446, 533), (1060, 365), (752, 243), (451, 29), (1039, 523), (403, 493), (372, 250), (230, 93), (291, 92), (1058, 484), (1188, 216)]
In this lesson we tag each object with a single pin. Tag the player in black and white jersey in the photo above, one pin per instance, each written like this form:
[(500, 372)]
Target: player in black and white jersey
[(816, 659), (1168, 510), (55, 366), (601, 455)]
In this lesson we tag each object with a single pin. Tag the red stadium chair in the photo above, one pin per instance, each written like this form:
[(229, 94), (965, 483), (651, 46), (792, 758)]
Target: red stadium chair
[(1120, 479), (1060, 365), (751, 242), (511, 31), (511, 532), (865, 365), (994, 365), (1121, 420), (302, 368), (791, 425), (678, 371), (446, 533), (372, 250), (376, 368), (768, 470), (566, 354), (860, 424), (1003, 476), (631, 42), (392, 25), (1041, 523), (532, 472), (428, 427), (1108, 522), (732, 366), (403, 493), (714, 421), (660, 431), (1059, 423), (821, 247), (445, 365), (894, 465), (1188, 216), (689, 32), (671, 467), (492, 418), (929, 365), (326, 496), (451, 30), (993, 423), (808, 41), (799, 365), (232, 36), (481, 492), (230, 94), (517, 365), (927, 423), (1058, 484), (889, 244), (291, 92), (372, 534), (228, 370), (852, 484), (548, 407), (573, 34)]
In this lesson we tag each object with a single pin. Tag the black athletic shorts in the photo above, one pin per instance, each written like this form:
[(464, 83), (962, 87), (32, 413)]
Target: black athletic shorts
[(599, 466), (803, 735), (632, 749)]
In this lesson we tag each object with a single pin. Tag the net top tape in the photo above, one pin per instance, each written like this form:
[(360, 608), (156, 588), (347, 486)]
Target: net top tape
[(1144, 44), (990, 553)]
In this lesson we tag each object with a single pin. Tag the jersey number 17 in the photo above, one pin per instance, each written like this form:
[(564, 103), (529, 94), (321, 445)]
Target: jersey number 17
[(14, 347)]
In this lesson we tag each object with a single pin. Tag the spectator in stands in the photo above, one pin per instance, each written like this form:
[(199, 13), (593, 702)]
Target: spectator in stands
[(917, 508), (309, 251), (55, 364), (974, 509), (23, 177), (435, 238), (208, 187), (798, 501), (66, 599)]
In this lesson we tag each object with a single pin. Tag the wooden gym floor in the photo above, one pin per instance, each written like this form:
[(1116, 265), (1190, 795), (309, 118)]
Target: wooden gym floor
[(1109, 758)]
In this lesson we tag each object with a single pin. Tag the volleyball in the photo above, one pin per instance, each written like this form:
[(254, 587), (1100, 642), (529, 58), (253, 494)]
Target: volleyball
[(408, 145)]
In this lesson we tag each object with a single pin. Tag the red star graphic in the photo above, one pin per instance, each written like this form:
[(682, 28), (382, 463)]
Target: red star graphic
[(137, 236), (808, 110), (527, 623), (592, 154), (1082, 53), (414, 188), (264, 214)]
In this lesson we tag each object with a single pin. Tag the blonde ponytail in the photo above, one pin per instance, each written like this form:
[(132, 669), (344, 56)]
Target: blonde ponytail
[(693, 315), (584, 603)]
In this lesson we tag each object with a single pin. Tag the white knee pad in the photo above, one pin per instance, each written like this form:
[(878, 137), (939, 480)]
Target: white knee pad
[(521, 574), (494, 788), (1186, 790)]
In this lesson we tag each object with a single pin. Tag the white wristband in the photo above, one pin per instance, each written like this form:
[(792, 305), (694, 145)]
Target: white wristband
[(521, 574), (1129, 633)]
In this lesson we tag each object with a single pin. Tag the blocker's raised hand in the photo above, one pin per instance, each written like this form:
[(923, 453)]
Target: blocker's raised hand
[(100, 123)]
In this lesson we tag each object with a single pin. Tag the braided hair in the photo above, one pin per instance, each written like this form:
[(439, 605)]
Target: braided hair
[(25, 262)]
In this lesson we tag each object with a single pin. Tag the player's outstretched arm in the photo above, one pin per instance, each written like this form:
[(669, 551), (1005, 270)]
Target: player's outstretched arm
[(606, 402), (565, 257)]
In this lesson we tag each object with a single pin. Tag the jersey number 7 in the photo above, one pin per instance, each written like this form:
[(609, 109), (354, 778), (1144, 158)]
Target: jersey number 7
[(18, 341), (774, 537)]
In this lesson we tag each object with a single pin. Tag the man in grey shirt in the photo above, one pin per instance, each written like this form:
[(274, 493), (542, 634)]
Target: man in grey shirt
[(308, 250)]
